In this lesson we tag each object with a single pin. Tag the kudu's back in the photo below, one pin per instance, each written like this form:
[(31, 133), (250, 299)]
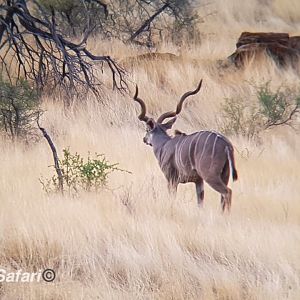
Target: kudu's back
[(202, 154)]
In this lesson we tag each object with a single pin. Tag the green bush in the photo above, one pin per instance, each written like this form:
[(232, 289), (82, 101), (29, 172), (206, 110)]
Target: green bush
[(279, 107), (79, 174), (244, 117), (240, 118), (19, 109)]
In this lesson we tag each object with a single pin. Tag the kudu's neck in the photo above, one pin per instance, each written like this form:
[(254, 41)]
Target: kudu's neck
[(159, 139), (158, 143)]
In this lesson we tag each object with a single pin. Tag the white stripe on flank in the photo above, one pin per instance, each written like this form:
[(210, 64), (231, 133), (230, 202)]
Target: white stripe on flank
[(213, 150), (214, 146), (199, 136), (205, 145), (224, 138), (180, 152), (196, 146), (189, 153), (177, 153)]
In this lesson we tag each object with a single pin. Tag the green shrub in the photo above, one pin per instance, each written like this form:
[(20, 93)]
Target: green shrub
[(79, 174), (240, 118), (244, 117), (279, 107), (19, 109)]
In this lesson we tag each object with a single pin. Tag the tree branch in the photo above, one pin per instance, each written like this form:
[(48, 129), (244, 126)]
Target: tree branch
[(50, 55), (147, 23), (55, 158)]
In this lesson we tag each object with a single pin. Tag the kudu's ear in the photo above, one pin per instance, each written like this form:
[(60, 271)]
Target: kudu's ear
[(150, 123), (169, 124)]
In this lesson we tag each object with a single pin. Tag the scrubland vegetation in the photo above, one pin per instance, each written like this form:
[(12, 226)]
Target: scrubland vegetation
[(129, 239)]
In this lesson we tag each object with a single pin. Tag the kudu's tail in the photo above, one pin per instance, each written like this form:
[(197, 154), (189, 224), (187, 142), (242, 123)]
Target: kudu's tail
[(232, 163)]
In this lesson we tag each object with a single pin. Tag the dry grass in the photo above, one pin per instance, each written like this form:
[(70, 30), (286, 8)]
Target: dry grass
[(156, 247)]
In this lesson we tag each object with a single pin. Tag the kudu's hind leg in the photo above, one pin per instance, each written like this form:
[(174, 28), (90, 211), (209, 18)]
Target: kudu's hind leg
[(200, 192), (218, 185)]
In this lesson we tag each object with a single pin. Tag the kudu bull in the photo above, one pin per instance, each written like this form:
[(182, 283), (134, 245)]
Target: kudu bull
[(203, 155)]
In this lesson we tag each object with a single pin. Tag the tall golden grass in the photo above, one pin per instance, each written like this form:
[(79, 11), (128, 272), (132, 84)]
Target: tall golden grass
[(134, 241)]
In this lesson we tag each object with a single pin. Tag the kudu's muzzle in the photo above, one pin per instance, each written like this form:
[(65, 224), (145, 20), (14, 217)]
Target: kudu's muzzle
[(145, 140)]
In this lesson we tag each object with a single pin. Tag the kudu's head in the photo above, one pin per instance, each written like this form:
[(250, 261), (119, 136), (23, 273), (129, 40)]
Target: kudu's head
[(159, 127)]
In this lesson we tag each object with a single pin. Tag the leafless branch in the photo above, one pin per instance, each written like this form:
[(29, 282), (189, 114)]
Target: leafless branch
[(147, 23), (41, 53), (285, 121)]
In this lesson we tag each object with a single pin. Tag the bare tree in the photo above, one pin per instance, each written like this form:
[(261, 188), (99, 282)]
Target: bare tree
[(33, 47), (146, 22), (73, 17), (142, 22)]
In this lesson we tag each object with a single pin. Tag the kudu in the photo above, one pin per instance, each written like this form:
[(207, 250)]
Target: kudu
[(203, 155)]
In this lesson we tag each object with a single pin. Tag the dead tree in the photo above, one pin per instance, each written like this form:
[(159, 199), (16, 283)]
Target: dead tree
[(146, 22), (58, 170), (32, 47)]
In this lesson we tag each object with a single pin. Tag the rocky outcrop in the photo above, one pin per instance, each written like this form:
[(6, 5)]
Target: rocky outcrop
[(282, 48)]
